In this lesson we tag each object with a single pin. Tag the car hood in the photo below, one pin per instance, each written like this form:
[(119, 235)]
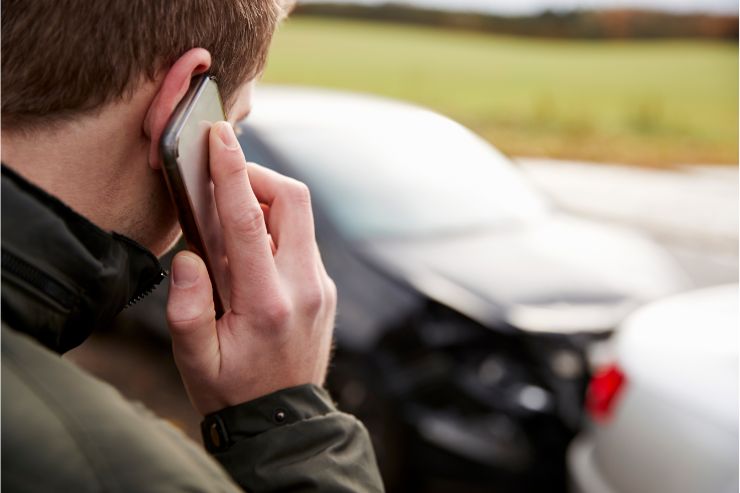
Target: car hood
[(561, 274)]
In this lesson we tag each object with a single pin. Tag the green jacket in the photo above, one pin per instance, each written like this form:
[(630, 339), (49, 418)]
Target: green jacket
[(65, 431)]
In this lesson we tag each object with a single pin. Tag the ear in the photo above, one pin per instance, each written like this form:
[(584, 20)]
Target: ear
[(174, 86)]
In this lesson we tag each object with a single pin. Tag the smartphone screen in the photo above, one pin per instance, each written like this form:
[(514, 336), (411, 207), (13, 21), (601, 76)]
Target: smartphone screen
[(184, 147)]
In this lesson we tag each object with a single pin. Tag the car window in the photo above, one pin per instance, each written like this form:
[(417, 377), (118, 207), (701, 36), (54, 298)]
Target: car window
[(419, 175)]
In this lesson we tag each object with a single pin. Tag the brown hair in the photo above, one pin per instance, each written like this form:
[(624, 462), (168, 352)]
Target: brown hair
[(64, 57)]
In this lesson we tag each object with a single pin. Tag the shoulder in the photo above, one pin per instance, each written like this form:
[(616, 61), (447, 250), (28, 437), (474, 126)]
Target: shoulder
[(63, 430)]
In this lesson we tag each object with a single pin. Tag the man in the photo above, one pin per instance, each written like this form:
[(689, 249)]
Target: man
[(88, 87)]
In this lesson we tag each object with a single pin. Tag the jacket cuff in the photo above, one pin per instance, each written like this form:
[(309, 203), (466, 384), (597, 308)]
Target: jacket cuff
[(220, 430)]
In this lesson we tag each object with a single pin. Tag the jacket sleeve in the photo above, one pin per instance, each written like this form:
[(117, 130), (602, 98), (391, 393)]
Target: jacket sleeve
[(293, 440)]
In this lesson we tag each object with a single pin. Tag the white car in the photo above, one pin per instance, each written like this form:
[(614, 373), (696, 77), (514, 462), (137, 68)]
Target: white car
[(665, 414)]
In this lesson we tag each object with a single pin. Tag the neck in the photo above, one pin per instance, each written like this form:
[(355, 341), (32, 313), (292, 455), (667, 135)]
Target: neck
[(98, 165), (62, 277), (86, 162)]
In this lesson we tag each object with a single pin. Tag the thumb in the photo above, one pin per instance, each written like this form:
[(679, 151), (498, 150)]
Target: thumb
[(191, 316)]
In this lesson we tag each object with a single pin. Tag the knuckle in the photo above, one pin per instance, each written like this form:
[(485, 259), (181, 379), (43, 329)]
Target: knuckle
[(229, 168), (182, 321), (277, 312), (331, 290), (235, 166), (312, 298), (299, 192), (247, 222)]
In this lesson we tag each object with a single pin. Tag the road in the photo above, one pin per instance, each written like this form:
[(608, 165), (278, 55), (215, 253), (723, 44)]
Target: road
[(692, 211)]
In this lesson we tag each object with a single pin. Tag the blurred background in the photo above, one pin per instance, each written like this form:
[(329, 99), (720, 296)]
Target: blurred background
[(619, 85), (517, 268)]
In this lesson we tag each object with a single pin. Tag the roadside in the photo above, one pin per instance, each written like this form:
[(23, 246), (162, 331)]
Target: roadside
[(650, 102), (692, 211)]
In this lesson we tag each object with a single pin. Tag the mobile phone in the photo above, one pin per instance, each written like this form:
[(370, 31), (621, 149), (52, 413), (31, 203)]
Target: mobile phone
[(184, 148)]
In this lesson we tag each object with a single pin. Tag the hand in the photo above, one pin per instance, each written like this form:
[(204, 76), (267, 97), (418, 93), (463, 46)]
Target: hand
[(278, 331)]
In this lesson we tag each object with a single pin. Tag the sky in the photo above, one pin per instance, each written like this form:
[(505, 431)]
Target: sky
[(523, 7)]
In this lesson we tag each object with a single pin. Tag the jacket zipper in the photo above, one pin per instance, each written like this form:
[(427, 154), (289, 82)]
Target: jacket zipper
[(153, 283), (37, 278), (147, 290), (58, 292)]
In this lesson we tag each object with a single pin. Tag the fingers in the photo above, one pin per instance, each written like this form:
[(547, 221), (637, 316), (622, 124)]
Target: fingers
[(279, 329), (191, 316), (254, 277), (291, 216)]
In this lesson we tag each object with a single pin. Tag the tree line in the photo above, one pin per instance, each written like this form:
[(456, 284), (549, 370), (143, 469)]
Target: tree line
[(589, 24)]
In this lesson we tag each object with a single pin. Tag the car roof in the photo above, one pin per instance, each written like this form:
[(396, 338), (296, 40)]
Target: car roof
[(298, 106)]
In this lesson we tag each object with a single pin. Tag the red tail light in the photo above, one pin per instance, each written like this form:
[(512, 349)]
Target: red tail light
[(602, 392)]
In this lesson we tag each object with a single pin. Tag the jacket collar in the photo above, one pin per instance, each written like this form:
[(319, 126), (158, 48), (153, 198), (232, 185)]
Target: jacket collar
[(62, 275)]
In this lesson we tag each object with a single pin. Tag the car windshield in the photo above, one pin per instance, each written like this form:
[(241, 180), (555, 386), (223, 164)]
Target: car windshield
[(422, 175)]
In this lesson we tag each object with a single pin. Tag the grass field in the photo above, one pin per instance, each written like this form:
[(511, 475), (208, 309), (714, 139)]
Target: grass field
[(644, 102)]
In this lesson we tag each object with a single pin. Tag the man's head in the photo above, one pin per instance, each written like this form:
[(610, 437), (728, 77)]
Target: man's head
[(101, 78), (64, 57)]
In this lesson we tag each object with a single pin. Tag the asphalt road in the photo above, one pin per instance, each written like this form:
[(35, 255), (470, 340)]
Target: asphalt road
[(692, 211)]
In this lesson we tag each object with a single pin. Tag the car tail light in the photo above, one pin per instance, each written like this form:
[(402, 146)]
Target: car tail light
[(602, 392)]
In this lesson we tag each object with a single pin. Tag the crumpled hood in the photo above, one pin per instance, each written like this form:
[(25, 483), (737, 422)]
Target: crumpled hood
[(62, 275), (560, 271)]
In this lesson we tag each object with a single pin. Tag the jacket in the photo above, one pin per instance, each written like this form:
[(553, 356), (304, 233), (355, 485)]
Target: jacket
[(64, 430)]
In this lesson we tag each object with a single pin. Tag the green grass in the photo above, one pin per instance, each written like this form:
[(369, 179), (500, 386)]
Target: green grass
[(643, 102)]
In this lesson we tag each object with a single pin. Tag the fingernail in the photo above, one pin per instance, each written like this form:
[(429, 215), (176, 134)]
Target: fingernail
[(227, 136), (184, 271)]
